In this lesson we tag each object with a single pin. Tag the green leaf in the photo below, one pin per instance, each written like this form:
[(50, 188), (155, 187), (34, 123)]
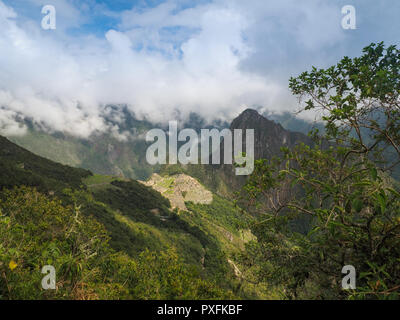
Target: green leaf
[(374, 173), (357, 205)]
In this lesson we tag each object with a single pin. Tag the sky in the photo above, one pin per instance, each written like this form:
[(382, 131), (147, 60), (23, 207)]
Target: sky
[(166, 59)]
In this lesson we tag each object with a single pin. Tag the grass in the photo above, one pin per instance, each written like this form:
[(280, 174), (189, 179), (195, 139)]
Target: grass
[(98, 179), (166, 183)]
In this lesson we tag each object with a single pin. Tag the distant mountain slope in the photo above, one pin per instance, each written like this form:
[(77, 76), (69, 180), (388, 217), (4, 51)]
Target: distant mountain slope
[(120, 151), (290, 121), (206, 235), (123, 151), (101, 153), (269, 138), (107, 155), (21, 167)]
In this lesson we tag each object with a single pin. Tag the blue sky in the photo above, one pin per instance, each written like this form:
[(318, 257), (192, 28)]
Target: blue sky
[(214, 57), (100, 15)]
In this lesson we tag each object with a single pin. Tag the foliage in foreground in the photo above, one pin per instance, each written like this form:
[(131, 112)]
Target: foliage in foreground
[(339, 190), (36, 230)]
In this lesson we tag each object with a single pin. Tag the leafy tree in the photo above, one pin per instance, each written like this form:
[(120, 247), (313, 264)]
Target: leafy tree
[(334, 203)]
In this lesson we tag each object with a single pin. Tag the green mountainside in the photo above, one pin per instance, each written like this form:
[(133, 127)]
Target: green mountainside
[(135, 222), (21, 167), (103, 153), (185, 212), (269, 138), (107, 154)]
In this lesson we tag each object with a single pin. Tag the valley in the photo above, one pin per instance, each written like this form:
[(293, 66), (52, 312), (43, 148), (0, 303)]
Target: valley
[(167, 211)]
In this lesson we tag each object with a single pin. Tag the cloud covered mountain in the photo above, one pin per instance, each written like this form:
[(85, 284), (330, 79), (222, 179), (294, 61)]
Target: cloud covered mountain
[(216, 58)]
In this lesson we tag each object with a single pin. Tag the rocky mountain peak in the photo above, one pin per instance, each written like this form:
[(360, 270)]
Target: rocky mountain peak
[(269, 136), (251, 117)]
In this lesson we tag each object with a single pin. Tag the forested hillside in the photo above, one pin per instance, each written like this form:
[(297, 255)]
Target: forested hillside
[(111, 238)]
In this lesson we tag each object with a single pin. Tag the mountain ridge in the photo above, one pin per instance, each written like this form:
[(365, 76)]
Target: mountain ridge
[(106, 154), (269, 138)]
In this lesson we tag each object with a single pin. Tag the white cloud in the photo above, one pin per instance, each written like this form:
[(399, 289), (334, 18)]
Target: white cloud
[(63, 84), (9, 124), (214, 59)]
